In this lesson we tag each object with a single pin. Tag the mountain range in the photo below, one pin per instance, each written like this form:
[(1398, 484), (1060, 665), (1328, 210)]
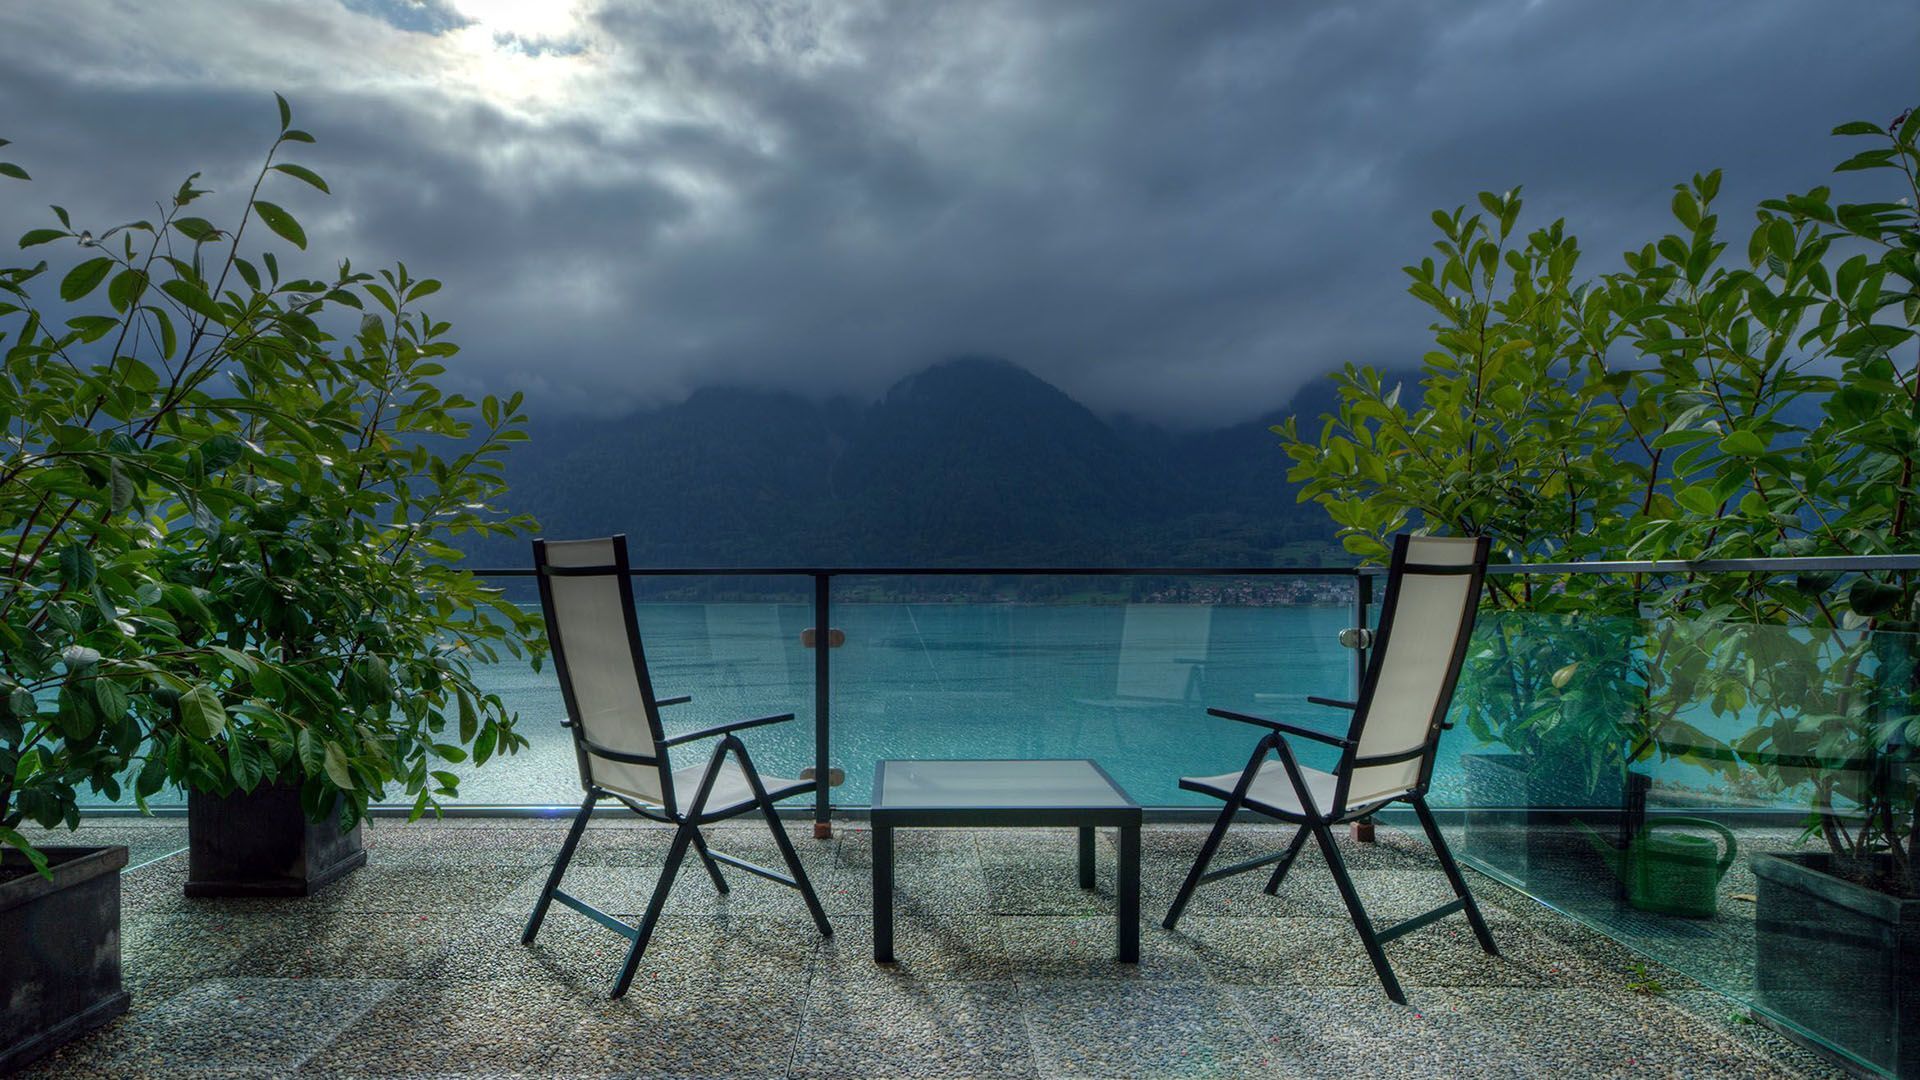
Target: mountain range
[(971, 462)]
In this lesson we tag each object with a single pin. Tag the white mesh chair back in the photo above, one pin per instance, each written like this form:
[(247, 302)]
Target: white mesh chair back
[(1161, 648), (588, 598), (1426, 616)]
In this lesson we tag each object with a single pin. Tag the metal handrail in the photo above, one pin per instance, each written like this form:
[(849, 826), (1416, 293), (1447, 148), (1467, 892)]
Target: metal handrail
[(1779, 565)]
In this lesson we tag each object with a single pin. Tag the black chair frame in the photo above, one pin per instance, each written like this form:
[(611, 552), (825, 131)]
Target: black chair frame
[(1312, 820), (687, 822)]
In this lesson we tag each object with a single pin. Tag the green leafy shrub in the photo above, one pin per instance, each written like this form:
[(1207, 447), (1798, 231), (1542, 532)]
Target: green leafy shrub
[(1711, 399), (226, 500)]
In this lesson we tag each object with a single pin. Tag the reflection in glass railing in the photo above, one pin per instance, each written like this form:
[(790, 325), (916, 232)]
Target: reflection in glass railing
[(1734, 801), (1124, 683)]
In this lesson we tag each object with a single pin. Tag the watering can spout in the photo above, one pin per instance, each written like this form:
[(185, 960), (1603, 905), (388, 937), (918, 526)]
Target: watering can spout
[(1615, 858)]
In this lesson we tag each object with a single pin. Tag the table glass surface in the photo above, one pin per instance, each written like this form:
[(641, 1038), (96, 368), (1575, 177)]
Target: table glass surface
[(996, 784)]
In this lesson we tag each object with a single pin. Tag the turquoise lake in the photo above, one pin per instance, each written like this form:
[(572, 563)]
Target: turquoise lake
[(1125, 684)]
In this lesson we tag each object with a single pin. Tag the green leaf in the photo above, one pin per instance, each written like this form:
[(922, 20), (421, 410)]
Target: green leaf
[(1743, 444), (301, 172), (1868, 597), (1699, 499), (111, 697), (41, 236), (336, 767), (249, 762), (8, 168), (281, 223), (221, 451), (153, 775), (198, 230), (84, 278), (193, 298), (286, 112), (119, 486), (469, 717), (19, 843), (202, 713), (77, 570)]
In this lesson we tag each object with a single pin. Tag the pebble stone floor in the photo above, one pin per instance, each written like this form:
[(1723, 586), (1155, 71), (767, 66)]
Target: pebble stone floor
[(413, 967)]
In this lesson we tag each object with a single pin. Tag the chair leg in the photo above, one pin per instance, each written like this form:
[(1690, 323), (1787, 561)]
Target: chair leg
[(713, 868), (1286, 863), (1454, 877), (1359, 913), (682, 838), (781, 840), (559, 870), (1207, 851)]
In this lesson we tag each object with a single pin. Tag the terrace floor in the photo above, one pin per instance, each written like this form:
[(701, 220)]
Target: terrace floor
[(412, 966)]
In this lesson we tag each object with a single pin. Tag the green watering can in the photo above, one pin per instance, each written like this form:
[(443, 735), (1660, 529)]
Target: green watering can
[(1671, 873)]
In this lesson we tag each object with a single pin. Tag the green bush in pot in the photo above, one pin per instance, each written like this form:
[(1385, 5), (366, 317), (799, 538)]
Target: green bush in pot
[(226, 499)]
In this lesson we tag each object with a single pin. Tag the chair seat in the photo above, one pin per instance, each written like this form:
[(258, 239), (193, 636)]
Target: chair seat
[(730, 789), (1273, 793)]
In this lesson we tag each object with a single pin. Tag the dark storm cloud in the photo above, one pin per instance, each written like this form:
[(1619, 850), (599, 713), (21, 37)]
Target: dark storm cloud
[(1182, 210)]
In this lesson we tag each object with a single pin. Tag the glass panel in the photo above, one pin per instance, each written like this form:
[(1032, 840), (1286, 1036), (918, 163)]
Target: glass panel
[(988, 784), (1718, 797), (1120, 670), (731, 643)]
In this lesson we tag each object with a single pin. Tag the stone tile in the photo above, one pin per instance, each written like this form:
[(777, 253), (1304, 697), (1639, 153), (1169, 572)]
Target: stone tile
[(323, 943), (853, 846), (577, 952), (1487, 1032), (1328, 952), (1130, 1029), (1736, 1022), (424, 845), (494, 1028), (1042, 948), (959, 947), (414, 889), (145, 839), (926, 889), (248, 1026), (626, 890), (175, 945), (683, 1031), (914, 1029)]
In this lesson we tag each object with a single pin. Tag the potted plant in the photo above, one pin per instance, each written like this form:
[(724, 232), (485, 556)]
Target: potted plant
[(225, 532), (1708, 401)]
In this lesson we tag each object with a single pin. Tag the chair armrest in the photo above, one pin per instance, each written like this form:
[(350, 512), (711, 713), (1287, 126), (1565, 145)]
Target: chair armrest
[(661, 703), (1284, 729), (723, 729), (1335, 703)]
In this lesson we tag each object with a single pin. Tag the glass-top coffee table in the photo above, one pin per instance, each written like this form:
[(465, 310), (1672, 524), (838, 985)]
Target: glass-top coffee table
[(1012, 794)]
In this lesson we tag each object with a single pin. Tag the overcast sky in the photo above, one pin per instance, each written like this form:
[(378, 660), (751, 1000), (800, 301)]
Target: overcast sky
[(1178, 209)]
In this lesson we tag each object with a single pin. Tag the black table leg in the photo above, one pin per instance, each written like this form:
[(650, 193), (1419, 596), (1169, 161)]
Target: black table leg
[(1086, 856), (1128, 886), (882, 895)]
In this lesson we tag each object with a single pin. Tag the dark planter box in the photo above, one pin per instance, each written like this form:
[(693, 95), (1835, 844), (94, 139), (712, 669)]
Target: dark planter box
[(59, 950), (1520, 822), (260, 843), (1839, 961)]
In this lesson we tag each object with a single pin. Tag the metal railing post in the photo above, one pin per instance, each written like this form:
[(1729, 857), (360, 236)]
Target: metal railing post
[(1362, 830), (1362, 601), (822, 807)]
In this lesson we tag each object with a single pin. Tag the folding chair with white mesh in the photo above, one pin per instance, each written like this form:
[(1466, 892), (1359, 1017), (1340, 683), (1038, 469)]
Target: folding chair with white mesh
[(587, 592), (1387, 755)]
